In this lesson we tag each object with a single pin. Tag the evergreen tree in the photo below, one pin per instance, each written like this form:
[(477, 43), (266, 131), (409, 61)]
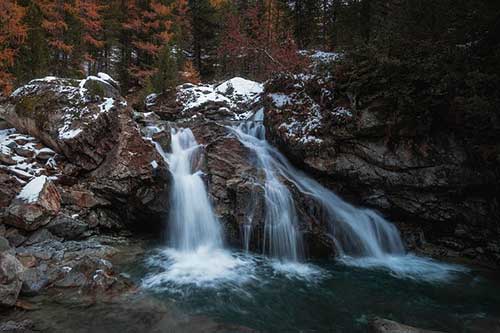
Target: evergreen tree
[(165, 76), (33, 59)]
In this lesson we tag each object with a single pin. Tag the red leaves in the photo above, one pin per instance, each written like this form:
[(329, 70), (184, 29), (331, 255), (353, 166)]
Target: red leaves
[(252, 43)]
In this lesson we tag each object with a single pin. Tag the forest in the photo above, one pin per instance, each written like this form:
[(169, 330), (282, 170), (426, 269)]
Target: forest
[(150, 44)]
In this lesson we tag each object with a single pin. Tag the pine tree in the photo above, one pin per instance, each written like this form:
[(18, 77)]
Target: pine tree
[(149, 26), (33, 60), (205, 25), (55, 15), (165, 76)]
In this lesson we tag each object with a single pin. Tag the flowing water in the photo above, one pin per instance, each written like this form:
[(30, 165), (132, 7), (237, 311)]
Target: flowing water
[(193, 224), (357, 232)]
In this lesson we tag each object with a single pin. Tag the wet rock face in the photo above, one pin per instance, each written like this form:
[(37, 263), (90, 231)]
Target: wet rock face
[(434, 187)]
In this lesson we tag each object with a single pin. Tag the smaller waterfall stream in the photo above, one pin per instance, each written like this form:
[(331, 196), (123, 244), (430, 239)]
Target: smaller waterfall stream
[(357, 232)]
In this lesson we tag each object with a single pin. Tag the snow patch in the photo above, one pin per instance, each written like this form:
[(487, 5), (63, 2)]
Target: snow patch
[(240, 88), (280, 100), (107, 105), (32, 190)]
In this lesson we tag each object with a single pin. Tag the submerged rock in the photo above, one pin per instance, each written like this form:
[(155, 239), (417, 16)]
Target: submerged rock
[(379, 325), (25, 326)]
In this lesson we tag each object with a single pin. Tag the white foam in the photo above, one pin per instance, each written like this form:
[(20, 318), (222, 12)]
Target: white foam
[(297, 270), (204, 267), (409, 266)]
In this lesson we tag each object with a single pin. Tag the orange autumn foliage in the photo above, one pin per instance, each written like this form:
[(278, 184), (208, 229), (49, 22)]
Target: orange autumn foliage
[(190, 74), (12, 35)]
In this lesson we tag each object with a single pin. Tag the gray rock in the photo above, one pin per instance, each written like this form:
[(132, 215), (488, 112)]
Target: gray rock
[(11, 326), (6, 159), (4, 244), (15, 237), (39, 236), (11, 271), (67, 227), (34, 280)]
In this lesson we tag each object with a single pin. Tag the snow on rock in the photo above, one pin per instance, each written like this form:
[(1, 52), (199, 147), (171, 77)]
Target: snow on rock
[(107, 78), (325, 56), (240, 89), (107, 105), (304, 130), (32, 190), (79, 96), (25, 157), (151, 100), (229, 97), (294, 112), (194, 97), (280, 100)]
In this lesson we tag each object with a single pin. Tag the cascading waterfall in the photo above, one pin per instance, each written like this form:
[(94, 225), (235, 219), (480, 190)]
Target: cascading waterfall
[(193, 223), (357, 232)]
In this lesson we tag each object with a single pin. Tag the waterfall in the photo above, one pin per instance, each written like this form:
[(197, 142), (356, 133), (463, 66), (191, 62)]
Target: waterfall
[(356, 232), (195, 254), (282, 238), (192, 221)]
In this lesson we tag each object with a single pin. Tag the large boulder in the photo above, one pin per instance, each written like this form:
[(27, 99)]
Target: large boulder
[(109, 164), (34, 206), (11, 271), (73, 117), (227, 100)]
